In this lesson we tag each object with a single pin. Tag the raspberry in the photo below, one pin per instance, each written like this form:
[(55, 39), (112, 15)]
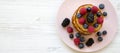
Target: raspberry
[(83, 11), (81, 20), (77, 41), (91, 29), (69, 29), (94, 9), (99, 20)]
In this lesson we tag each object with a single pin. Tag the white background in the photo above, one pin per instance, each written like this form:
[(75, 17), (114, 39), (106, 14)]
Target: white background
[(28, 26)]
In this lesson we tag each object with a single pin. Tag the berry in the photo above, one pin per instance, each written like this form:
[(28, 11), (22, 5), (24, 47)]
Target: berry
[(85, 26), (90, 18), (78, 35), (69, 29), (100, 20), (88, 9), (104, 13), (91, 29), (77, 41), (98, 14), (82, 39), (71, 36), (101, 6), (65, 22), (83, 11), (99, 33), (78, 15), (94, 9), (104, 32), (81, 45), (81, 21), (90, 42), (96, 25), (100, 39)]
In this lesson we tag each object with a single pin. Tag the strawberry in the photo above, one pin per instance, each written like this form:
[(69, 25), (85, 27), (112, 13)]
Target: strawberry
[(81, 20), (100, 20), (83, 11), (69, 29), (94, 9), (91, 29), (77, 41)]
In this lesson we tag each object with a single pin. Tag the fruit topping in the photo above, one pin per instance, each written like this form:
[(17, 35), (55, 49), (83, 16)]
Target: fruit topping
[(90, 42), (77, 41), (91, 29), (104, 13), (78, 15), (88, 9), (94, 9), (90, 18), (98, 14), (100, 39), (81, 45), (65, 22), (101, 6), (85, 26), (78, 35), (83, 11), (100, 20), (96, 25), (104, 32), (81, 21), (71, 36), (82, 39), (99, 33), (69, 29)]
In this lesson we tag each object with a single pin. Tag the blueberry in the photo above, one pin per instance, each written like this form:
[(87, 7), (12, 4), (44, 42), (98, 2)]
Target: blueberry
[(99, 33), (85, 26), (78, 35), (81, 45), (100, 39), (88, 9), (96, 25), (104, 32), (82, 39), (90, 42), (101, 6), (71, 36), (98, 14), (90, 18), (65, 22), (78, 15), (104, 13)]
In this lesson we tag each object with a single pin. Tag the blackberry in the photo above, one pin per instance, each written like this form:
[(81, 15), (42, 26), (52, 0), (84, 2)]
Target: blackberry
[(65, 22), (90, 18), (90, 42)]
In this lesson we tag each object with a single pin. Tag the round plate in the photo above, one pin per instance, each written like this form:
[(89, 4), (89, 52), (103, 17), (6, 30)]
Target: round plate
[(68, 8)]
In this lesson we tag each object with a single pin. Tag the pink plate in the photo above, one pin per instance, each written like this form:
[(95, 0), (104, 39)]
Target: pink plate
[(110, 23)]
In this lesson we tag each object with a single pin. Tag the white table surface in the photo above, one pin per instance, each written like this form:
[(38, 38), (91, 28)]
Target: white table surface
[(28, 26)]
